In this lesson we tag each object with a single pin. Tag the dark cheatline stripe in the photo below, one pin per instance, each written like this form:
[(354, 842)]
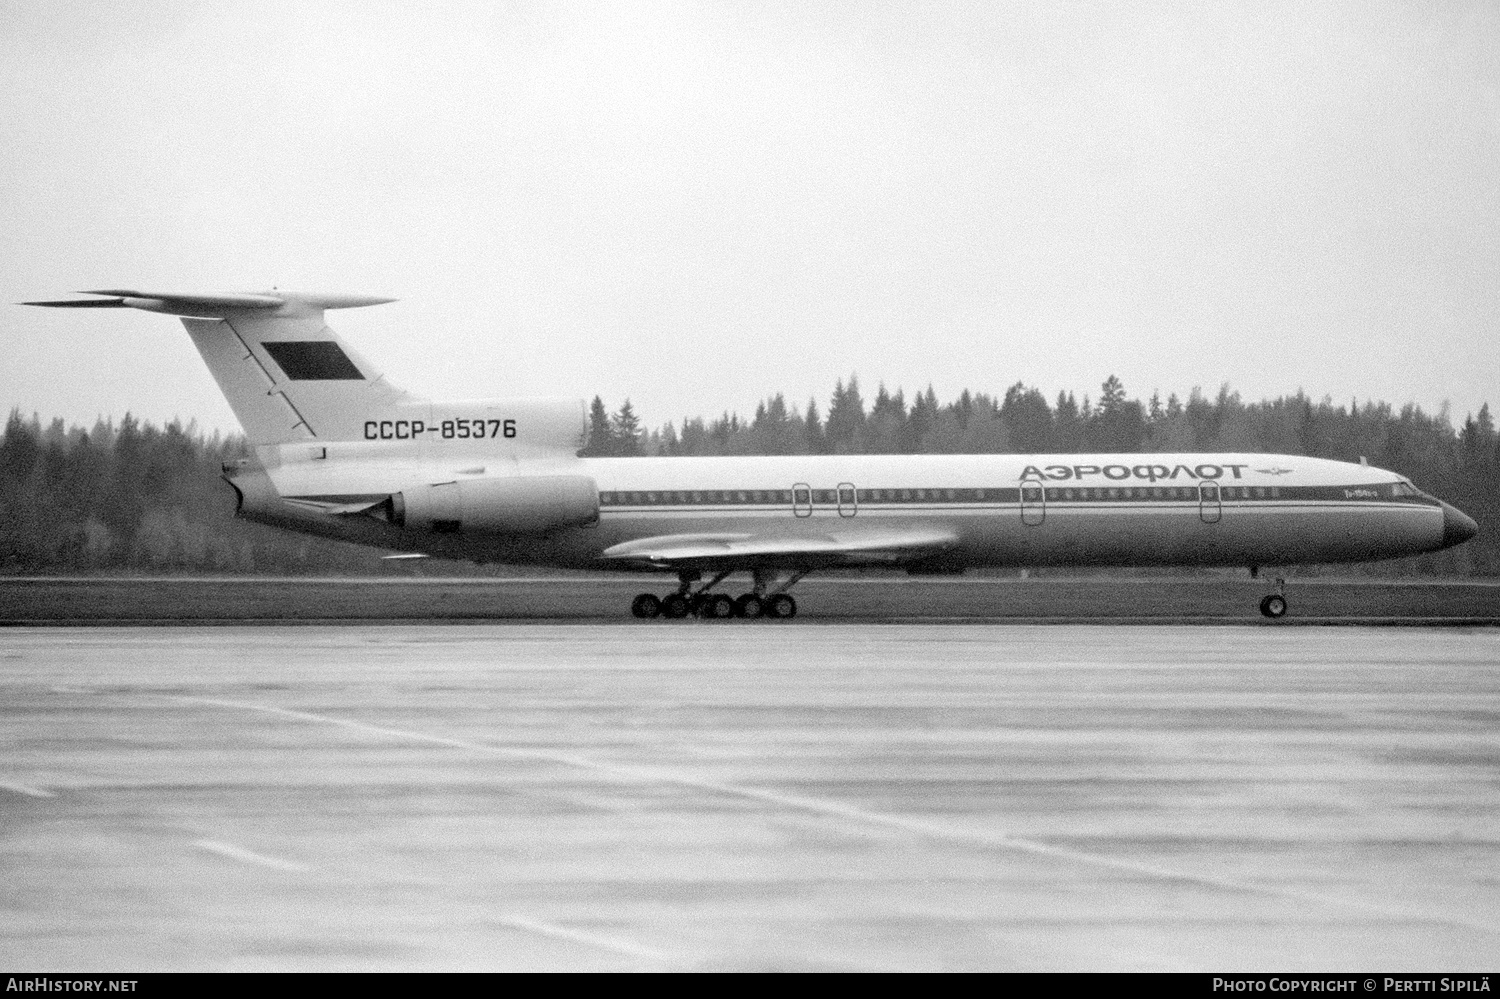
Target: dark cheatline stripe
[(1054, 494)]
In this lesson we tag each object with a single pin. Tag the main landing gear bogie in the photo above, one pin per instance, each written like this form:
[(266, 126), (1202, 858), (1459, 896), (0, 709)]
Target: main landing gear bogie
[(714, 606), (780, 605)]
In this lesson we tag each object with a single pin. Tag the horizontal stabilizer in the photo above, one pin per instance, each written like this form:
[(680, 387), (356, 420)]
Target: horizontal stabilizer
[(84, 303), (175, 303), (233, 301)]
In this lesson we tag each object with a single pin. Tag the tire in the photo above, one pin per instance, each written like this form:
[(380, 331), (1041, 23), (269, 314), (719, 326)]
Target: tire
[(675, 606), (749, 607), (1273, 606), (718, 605), (647, 605), (781, 605)]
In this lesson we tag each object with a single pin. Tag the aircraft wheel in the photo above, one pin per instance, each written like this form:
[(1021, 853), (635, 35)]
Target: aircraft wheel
[(749, 606), (781, 605), (647, 605), (717, 605), (1273, 606), (675, 606)]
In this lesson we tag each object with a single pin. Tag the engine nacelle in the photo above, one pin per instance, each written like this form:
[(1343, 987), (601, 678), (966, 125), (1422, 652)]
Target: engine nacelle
[(522, 504)]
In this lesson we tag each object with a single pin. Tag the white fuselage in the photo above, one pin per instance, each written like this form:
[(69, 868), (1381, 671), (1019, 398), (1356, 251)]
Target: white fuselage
[(1007, 510)]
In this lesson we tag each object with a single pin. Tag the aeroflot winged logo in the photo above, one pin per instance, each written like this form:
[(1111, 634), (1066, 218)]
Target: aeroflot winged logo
[(1274, 471), (1151, 473)]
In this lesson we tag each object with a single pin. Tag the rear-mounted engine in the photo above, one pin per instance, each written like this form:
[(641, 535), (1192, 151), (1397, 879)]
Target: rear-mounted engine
[(532, 504)]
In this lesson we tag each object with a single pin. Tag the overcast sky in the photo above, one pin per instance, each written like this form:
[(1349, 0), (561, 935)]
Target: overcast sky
[(698, 205)]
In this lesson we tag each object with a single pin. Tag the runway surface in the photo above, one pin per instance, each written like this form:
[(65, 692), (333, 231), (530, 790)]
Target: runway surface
[(599, 797), (1201, 599)]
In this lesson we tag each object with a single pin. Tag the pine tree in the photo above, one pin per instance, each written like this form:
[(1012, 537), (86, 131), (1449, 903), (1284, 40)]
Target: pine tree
[(670, 445), (19, 450), (923, 417), (625, 427), (1028, 419), (1119, 425), (846, 418), (812, 426), (1067, 424), (694, 436), (1111, 395), (601, 439)]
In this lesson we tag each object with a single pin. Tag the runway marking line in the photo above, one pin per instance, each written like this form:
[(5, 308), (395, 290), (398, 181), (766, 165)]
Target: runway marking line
[(815, 806), (244, 856), (578, 936), (26, 789)]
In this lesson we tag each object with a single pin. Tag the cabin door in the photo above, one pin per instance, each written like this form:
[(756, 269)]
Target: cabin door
[(1210, 507), (848, 499), (1033, 502), (802, 499)]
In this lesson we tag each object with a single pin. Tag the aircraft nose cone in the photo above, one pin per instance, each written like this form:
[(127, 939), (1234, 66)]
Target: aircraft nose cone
[(1458, 526)]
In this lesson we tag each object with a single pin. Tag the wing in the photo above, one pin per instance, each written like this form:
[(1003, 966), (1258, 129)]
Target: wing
[(802, 551)]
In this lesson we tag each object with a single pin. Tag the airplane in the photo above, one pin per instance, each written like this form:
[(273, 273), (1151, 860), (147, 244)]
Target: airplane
[(341, 452)]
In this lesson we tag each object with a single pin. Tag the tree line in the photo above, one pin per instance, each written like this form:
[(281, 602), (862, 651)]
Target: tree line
[(133, 496), (1460, 464)]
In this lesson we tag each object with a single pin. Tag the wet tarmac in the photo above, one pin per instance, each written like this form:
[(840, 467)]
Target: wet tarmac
[(602, 797), (1204, 599)]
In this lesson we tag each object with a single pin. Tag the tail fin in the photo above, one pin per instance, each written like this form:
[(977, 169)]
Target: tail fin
[(286, 375)]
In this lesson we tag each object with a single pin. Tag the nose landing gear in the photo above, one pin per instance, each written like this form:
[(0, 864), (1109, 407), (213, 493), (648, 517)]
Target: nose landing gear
[(1272, 605)]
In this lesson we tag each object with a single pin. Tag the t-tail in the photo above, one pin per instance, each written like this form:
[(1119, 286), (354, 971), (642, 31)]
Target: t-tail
[(291, 380), (286, 375)]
